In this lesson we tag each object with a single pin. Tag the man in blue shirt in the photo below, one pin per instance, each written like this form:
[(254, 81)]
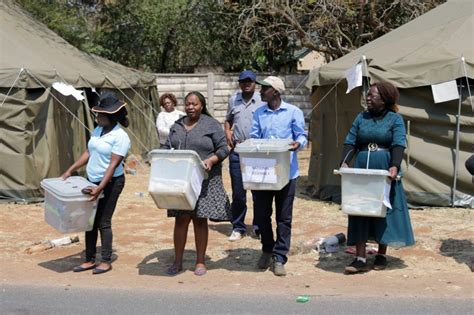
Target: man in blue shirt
[(278, 120), (237, 125)]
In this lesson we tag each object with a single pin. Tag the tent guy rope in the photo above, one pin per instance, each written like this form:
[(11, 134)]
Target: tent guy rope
[(141, 97), (128, 130), (131, 101), (323, 98), (11, 87), (69, 111), (61, 103)]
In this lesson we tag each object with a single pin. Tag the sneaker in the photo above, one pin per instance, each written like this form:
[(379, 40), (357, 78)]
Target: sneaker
[(380, 262), (235, 236), (356, 266), (265, 261), (278, 269)]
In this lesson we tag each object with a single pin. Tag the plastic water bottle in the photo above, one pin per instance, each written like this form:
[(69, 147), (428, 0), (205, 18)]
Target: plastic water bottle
[(303, 298), (331, 244)]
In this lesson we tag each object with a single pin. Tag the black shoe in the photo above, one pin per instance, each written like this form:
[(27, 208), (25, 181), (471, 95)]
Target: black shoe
[(98, 271), (356, 266), (80, 268), (380, 262), (265, 260)]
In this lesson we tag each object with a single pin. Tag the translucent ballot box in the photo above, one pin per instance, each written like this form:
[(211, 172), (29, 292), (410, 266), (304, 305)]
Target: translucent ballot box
[(66, 208), (176, 178), (265, 163), (365, 192)]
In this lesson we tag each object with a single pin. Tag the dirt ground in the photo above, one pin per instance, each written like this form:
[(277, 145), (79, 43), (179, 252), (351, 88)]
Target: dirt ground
[(437, 266)]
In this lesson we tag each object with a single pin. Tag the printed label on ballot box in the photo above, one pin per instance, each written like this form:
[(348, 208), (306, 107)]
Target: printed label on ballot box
[(258, 170)]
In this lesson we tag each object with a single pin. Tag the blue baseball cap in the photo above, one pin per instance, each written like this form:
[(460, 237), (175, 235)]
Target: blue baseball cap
[(247, 74)]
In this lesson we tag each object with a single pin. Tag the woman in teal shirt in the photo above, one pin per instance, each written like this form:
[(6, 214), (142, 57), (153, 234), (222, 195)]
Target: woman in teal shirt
[(106, 149), (381, 130)]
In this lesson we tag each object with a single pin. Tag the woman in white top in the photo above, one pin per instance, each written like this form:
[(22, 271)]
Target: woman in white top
[(166, 118)]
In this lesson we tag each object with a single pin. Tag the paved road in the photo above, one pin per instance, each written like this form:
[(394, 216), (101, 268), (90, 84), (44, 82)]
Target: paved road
[(47, 300)]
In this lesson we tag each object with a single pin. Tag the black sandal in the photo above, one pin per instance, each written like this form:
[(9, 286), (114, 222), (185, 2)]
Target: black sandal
[(80, 268), (98, 271)]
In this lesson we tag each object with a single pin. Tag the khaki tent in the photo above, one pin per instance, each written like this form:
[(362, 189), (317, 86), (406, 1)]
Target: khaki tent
[(423, 52), (41, 130)]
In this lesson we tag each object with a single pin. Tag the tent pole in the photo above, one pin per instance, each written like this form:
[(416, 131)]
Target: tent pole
[(456, 157)]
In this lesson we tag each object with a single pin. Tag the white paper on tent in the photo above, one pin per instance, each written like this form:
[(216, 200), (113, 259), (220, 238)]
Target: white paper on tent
[(446, 91), (258, 170), (354, 77), (67, 90), (386, 195)]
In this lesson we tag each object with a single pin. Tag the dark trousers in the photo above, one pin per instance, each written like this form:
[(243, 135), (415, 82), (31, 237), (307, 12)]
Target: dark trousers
[(283, 214), (103, 221), (239, 194)]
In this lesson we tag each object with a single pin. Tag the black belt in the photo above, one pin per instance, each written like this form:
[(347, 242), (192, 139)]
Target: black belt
[(373, 147)]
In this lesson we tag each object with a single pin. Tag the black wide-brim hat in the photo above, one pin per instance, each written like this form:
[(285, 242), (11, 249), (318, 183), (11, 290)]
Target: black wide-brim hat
[(108, 104)]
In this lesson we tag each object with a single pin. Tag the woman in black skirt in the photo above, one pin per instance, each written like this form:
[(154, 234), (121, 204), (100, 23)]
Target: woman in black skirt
[(199, 132)]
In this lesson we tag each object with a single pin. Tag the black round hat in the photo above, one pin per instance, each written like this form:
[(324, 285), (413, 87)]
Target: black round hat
[(108, 104)]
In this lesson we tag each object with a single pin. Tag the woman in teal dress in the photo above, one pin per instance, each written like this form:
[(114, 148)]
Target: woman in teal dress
[(381, 130)]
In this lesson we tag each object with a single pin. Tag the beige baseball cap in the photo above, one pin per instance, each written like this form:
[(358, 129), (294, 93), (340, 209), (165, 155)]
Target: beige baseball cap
[(274, 82)]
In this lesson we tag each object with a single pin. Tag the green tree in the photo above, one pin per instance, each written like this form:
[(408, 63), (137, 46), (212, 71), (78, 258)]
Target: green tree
[(178, 35), (333, 27), (153, 35), (66, 19)]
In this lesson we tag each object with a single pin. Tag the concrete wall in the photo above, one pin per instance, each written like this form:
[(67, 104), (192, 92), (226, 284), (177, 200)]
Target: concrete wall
[(217, 88)]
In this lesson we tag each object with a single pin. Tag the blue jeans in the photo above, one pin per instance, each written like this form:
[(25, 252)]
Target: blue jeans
[(263, 201), (239, 194)]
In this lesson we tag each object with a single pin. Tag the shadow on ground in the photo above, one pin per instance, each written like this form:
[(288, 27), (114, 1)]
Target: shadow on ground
[(462, 251), (66, 264), (336, 262), (157, 263), (239, 259), (223, 228), (226, 229)]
